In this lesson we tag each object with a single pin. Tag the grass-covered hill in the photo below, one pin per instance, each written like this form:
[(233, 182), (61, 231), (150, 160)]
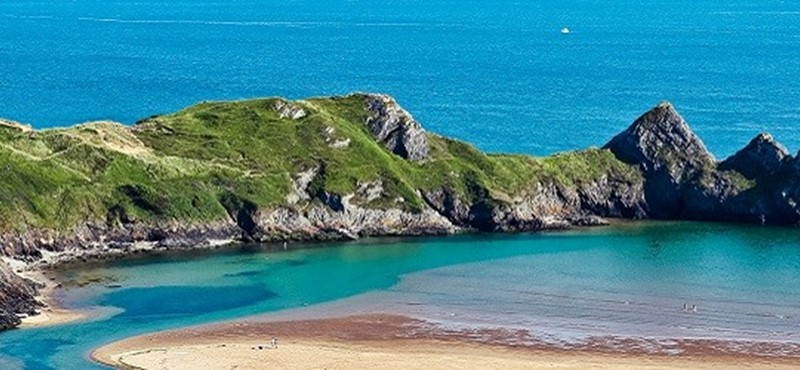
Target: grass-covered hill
[(351, 166), (346, 167), (208, 161)]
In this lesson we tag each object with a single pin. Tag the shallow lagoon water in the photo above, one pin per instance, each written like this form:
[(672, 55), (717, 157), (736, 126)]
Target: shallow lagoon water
[(628, 280), (497, 73)]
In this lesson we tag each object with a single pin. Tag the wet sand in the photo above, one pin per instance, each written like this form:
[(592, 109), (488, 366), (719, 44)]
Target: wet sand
[(52, 313), (50, 316), (392, 342)]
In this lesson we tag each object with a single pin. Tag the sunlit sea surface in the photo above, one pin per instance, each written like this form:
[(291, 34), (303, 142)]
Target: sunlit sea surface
[(499, 74)]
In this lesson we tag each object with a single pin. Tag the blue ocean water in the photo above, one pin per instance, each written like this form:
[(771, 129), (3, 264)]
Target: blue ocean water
[(497, 73), (627, 280)]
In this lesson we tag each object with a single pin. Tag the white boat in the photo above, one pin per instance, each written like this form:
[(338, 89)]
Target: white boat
[(565, 31)]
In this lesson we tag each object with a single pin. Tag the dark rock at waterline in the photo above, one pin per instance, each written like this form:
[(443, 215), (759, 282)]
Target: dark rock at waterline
[(16, 298), (758, 184)]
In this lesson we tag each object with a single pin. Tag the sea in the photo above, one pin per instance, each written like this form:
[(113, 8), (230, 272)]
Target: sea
[(499, 74)]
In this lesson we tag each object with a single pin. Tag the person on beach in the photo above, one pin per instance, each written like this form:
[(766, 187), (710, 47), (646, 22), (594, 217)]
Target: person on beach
[(274, 343)]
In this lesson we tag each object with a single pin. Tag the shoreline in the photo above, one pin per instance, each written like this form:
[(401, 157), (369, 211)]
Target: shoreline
[(391, 342), (51, 313)]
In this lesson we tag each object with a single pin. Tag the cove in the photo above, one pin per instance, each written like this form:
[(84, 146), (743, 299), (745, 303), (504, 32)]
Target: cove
[(751, 273)]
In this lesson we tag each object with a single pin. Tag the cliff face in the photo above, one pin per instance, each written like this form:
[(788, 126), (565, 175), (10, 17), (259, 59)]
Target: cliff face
[(344, 168), (547, 205), (16, 297), (758, 184), (668, 152)]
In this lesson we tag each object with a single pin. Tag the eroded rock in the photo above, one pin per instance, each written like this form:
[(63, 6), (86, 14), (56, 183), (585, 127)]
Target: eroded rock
[(16, 298), (761, 158), (661, 143), (394, 127), (287, 109)]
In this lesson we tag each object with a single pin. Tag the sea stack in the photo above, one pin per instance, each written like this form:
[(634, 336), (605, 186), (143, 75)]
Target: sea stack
[(661, 143)]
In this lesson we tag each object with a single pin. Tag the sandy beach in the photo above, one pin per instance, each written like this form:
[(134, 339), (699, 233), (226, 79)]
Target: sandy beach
[(52, 313), (377, 342)]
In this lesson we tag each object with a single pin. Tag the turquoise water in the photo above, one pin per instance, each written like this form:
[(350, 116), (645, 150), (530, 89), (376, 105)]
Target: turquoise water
[(497, 73), (628, 280)]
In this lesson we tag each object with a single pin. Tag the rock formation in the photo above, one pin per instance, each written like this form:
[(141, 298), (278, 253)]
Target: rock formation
[(286, 109), (217, 172), (395, 128), (761, 158), (758, 184), (669, 154), (16, 298)]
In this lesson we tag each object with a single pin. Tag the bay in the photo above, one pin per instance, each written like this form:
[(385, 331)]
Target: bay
[(628, 280)]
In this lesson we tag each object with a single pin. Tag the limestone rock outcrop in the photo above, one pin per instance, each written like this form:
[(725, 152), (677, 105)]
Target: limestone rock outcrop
[(395, 128), (761, 158), (669, 154), (287, 109)]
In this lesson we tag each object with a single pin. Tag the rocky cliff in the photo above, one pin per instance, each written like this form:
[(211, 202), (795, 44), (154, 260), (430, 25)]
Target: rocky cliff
[(761, 158), (668, 152), (343, 168), (682, 180), (16, 297), (394, 127)]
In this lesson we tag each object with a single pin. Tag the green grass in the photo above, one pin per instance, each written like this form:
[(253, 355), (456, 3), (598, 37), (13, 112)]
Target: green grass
[(194, 164)]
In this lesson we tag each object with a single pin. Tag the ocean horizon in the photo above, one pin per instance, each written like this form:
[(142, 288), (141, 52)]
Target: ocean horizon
[(500, 75), (509, 76)]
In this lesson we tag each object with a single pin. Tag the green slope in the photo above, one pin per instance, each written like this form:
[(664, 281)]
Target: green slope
[(193, 164)]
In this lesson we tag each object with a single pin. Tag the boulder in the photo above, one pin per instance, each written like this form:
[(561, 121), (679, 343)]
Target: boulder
[(16, 298)]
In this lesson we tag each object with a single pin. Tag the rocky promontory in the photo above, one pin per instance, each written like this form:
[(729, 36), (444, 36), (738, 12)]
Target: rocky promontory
[(345, 167)]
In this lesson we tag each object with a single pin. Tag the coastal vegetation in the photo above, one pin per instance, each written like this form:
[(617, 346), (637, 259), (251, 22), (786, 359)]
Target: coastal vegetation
[(197, 164), (345, 167)]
